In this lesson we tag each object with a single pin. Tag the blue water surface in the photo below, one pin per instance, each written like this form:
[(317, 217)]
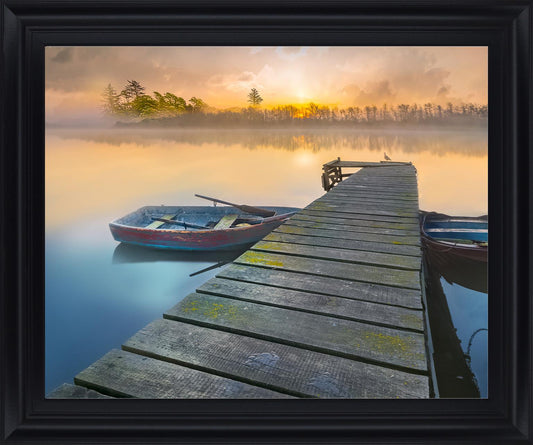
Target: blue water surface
[(94, 304), (469, 312)]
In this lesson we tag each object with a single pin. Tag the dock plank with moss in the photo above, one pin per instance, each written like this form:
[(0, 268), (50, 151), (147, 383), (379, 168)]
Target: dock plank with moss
[(328, 305)]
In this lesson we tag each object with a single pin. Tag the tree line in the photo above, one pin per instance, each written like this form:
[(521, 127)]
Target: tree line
[(133, 103)]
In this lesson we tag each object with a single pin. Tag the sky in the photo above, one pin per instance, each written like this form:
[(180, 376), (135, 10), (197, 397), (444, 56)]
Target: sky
[(223, 76)]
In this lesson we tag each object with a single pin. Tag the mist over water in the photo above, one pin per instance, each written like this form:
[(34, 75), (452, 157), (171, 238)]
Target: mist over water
[(94, 302), (470, 141)]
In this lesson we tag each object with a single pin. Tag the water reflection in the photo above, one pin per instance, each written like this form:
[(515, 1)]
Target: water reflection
[(127, 253), (98, 294), (471, 141), (462, 271), (457, 312)]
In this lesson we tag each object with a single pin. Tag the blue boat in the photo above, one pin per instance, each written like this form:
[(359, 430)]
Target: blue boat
[(460, 236)]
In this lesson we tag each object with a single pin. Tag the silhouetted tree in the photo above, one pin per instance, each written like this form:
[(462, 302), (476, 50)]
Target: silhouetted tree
[(254, 97), (132, 90), (197, 104), (110, 100)]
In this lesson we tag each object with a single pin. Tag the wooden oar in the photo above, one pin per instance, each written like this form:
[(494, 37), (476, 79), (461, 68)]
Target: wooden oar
[(180, 223), (272, 218), (245, 208), (196, 226), (214, 266)]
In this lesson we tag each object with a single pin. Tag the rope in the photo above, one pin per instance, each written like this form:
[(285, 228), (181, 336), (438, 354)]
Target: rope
[(472, 339)]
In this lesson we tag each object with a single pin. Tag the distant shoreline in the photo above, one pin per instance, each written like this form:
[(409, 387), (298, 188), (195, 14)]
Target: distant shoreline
[(344, 128), (179, 124)]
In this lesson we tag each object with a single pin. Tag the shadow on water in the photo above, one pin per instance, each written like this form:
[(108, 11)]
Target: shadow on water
[(462, 271), (127, 253), (457, 288)]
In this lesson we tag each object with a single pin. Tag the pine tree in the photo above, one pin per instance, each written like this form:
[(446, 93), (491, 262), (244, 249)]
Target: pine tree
[(254, 97), (132, 90), (110, 100)]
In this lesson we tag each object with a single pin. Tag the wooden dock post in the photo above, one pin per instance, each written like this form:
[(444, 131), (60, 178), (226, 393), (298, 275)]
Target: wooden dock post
[(332, 171), (328, 305)]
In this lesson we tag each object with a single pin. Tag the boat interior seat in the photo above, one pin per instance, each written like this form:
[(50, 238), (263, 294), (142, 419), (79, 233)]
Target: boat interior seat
[(225, 222), (157, 224)]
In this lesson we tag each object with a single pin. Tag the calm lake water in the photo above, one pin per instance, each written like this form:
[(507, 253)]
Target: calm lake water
[(98, 293)]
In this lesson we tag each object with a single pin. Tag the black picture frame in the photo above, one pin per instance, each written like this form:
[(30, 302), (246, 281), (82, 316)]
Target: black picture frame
[(505, 26)]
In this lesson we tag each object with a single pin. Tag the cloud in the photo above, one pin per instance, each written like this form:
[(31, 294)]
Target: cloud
[(222, 76), (376, 92), (246, 76), (63, 56), (242, 81), (291, 53)]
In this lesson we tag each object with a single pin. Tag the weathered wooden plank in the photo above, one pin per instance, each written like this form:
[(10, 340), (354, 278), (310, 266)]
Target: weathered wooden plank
[(372, 210), (277, 366), (369, 194), (225, 222), (356, 164), (373, 198), (354, 215), (369, 274), (388, 172), (344, 255), (414, 229), (358, 236), (124, 374), (324, 285), (407, 176), (159, 223), (392, 186), (359, 207), (372, 195), (382, 189), (381, 314), (385, 192), (349, 227), (340, 243), (358, 202), (359, 341), (358, 195), (368, 174), (359, 178), (363, 176), (69, 391)]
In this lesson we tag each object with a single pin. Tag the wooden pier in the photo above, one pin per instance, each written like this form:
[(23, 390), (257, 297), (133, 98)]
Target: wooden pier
[(328, 305)]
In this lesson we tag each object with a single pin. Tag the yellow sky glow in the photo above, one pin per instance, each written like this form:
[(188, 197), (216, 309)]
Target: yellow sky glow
[(223, 76)]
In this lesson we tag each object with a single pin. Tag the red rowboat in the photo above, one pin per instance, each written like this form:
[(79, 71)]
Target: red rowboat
[(202, 228)]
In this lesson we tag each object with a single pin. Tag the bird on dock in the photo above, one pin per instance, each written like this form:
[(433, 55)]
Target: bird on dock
[(386, 157)]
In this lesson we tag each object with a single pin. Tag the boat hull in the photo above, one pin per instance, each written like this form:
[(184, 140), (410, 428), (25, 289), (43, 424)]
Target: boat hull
[(192, 240), (474, 253), (473, 229)]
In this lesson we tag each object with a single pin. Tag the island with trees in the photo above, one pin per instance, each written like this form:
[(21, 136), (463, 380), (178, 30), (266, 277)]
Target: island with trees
[(132, 106)]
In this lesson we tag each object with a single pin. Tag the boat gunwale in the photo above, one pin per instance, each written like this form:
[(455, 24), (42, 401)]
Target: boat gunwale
[(117, 224), (457, 249)]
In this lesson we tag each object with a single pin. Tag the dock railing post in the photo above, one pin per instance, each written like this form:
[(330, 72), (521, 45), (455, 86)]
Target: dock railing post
[(332, 174)]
